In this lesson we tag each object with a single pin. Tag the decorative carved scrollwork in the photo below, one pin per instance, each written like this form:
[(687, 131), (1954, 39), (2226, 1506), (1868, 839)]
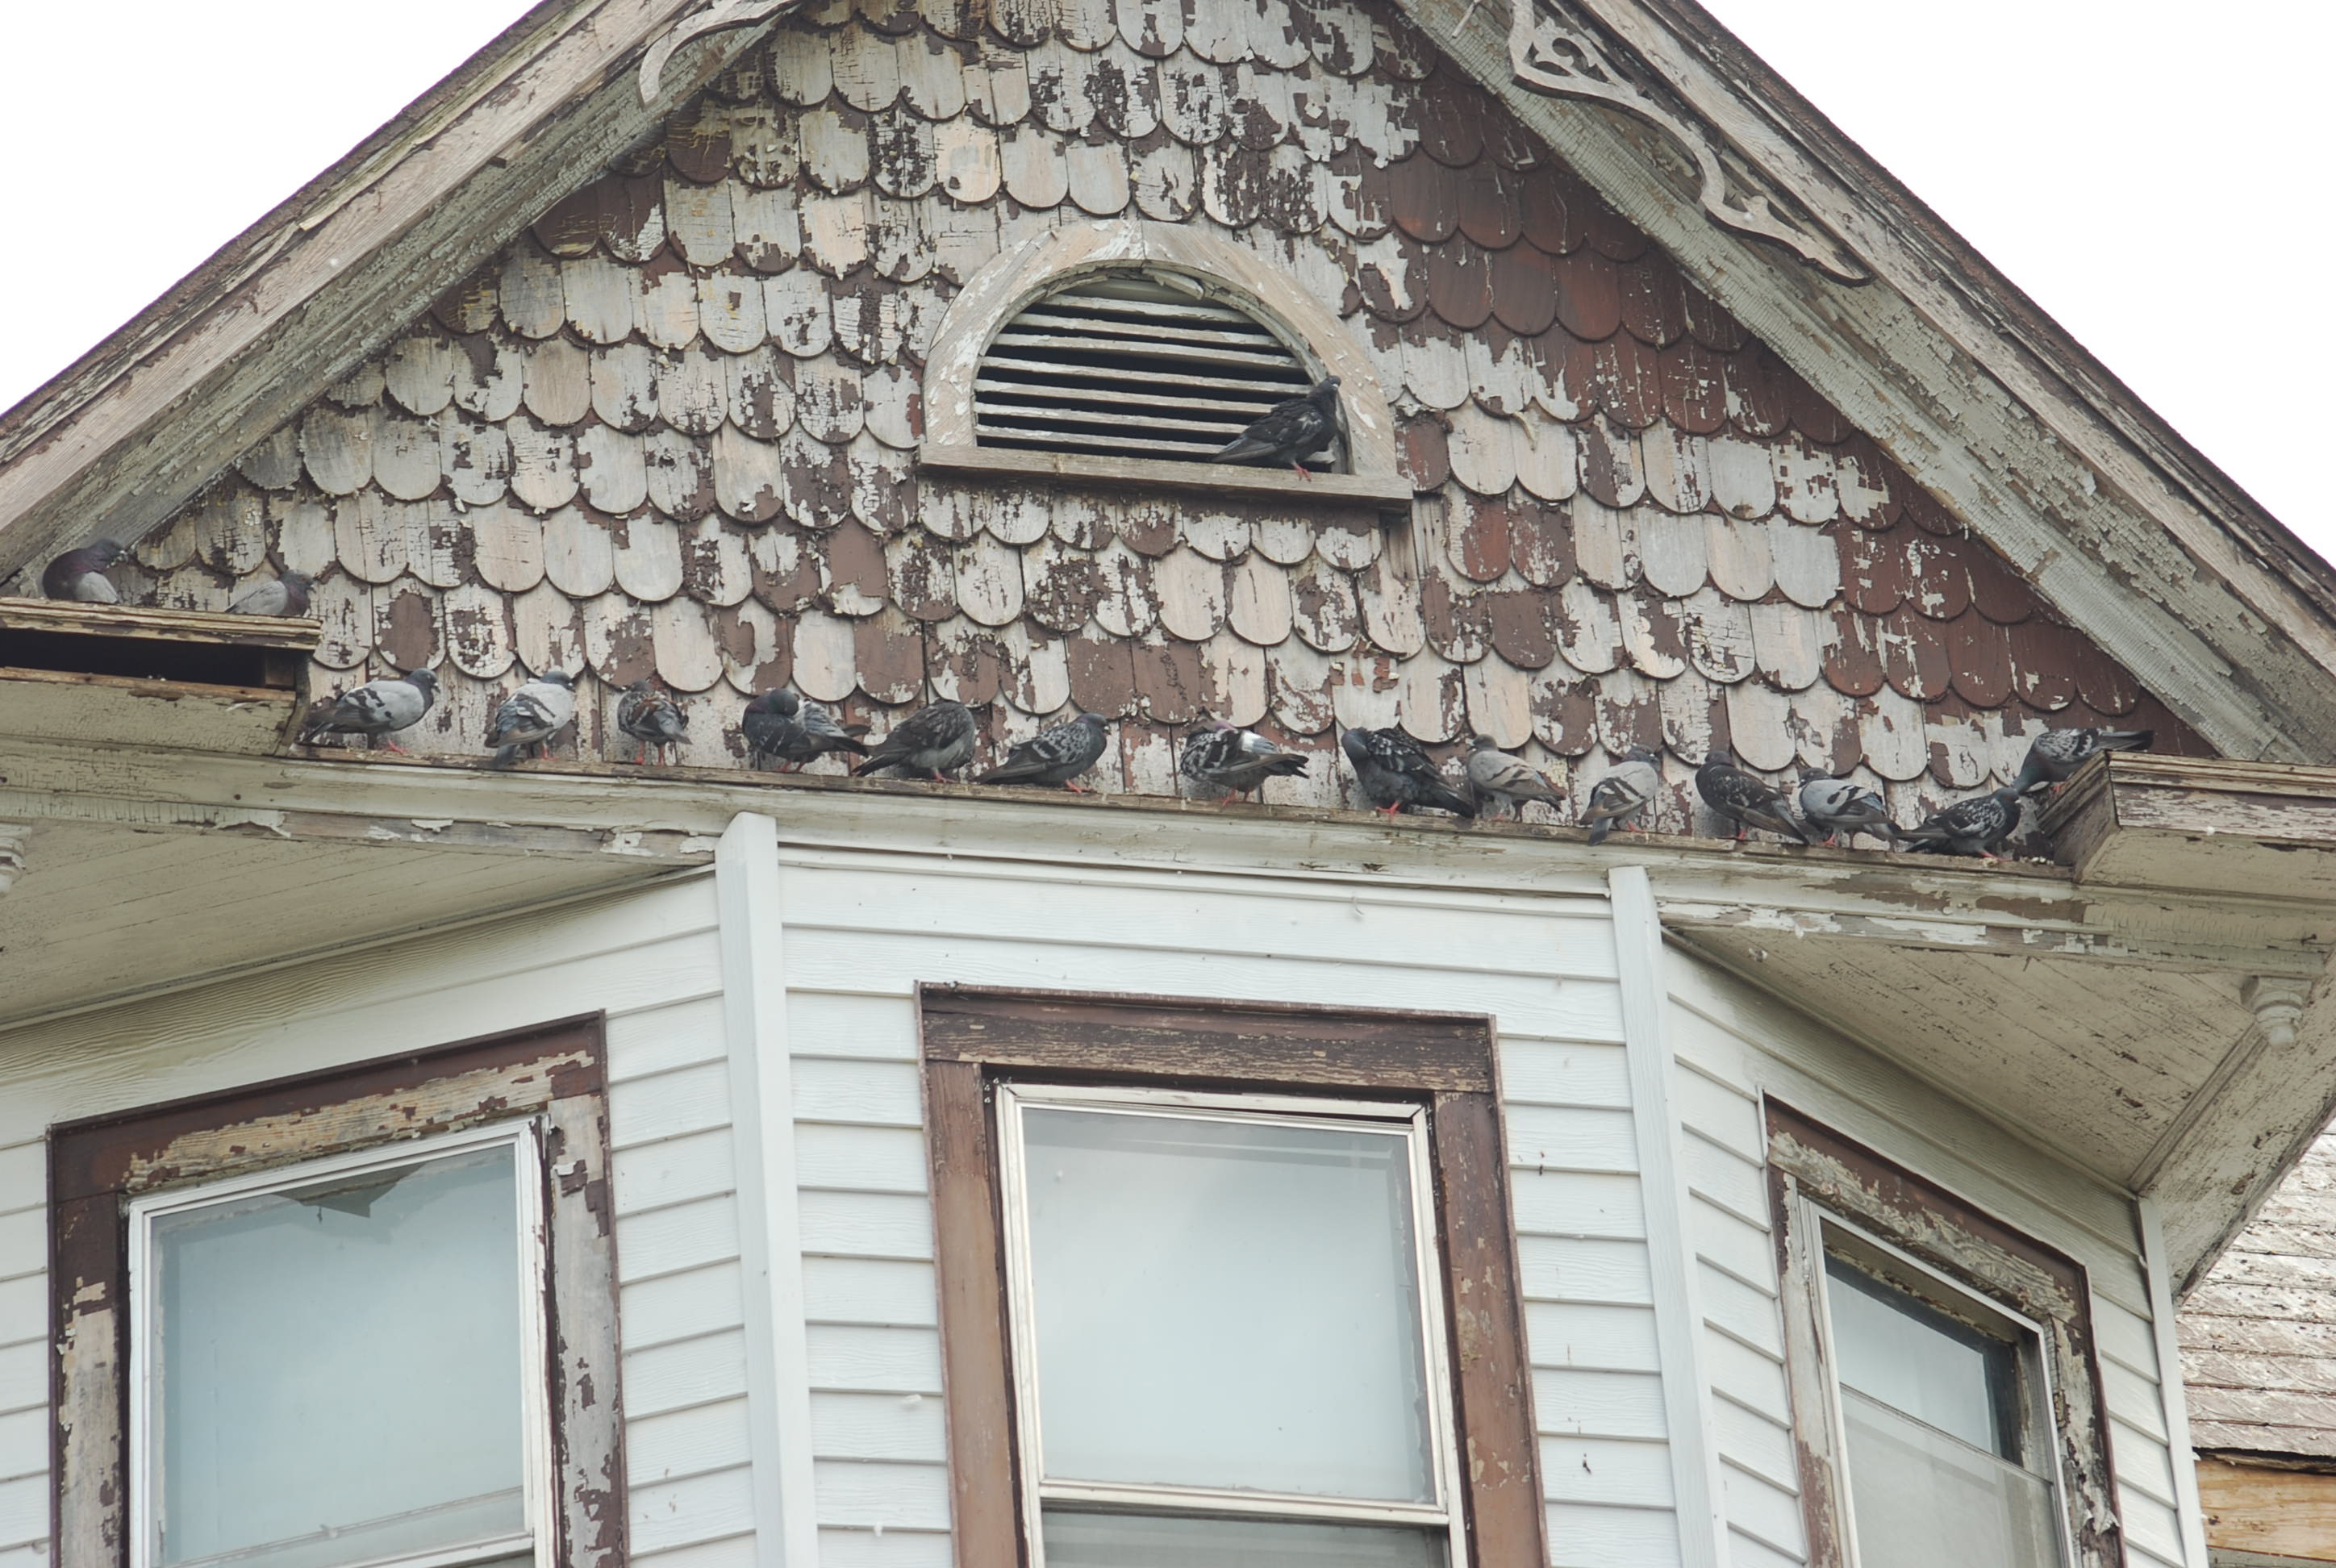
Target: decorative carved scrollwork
[(1551, 52), (718, 16)]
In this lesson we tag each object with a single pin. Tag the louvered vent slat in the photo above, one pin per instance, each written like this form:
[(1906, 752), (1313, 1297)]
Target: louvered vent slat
[(1130, 367)]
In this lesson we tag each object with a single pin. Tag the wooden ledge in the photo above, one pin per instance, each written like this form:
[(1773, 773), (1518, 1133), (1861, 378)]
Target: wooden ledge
[(2147, 821), (68, 618), (1383, 492), (160, 678)]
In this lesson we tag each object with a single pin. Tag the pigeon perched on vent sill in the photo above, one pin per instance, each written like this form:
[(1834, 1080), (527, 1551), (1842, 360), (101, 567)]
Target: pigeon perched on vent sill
[(654, 720), (1290, 432), (1841, 808), (79, 574), (1506, 782), (1234, 761), (1054, 757), (1976, 826), (781, 727), (286, 595), (531, 716), (1742, 799), (378, 708), (936, 741), (2056, 754), (1397, 776), (1622, 796)]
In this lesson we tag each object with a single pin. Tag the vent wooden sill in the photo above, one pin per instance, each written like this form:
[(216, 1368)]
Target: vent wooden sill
[(1385, 492), (150, 677)]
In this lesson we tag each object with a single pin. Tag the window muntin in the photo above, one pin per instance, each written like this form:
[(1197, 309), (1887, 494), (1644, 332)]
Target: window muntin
[(1132, 365), (1257, 1329), (341, 1362), (1945, 1415)]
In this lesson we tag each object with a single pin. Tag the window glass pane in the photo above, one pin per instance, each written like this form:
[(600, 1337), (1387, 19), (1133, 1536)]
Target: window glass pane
[(338, 1369), (1914, 1358), (1227, 1304), (1149, 1541), (1922, 1499)]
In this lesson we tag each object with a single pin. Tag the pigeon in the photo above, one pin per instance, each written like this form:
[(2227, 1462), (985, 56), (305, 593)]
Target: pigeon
[(2056, 754), (936, 740), (1397, 776), (378, 707), (781, 726), (1976, 826), (532, 715), (287, 594), (1290, 432), (1504, 781), (1055, 755), (1743, 799), (1219, 757), (1841, 808), (81, 574), (653, 719), (1623, 796)]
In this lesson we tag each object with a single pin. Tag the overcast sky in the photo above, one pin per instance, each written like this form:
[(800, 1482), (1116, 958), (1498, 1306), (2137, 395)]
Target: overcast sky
[(2152, 184)]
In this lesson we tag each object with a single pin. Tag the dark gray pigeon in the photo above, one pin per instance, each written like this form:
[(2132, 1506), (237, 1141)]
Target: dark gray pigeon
[(1976, 826), (1742, 799), (1055, 755), (1397, 776), (378, 708), (286, 595), (531, 716), (1506, 782), (781, 727), (1290, 432), (79, 574), (1623, 796), (935, 741), (654, 720), (1234, 761), (2056, 754), (1842, 809)]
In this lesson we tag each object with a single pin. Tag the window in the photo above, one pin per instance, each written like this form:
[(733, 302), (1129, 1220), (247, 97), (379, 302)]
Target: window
[(1131, 365), (1944, 1396), (1203, 1269), (337, 1300)]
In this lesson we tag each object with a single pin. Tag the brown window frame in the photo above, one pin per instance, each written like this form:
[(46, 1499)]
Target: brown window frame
[(975, 1037), (554, 1073), (1814, 1169)]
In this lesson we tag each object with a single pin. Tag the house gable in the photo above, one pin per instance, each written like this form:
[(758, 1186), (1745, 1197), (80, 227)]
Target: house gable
[(672, 432)]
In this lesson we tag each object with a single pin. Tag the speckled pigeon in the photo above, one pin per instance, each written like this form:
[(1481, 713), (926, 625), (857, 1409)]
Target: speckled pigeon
[(1055, 755), (1290, 432), (935, 741), (2056, 754), (1234, 761), (531, 716), (779, 726), (1505, 782), (653, 719), (287, 594), (1843, 809), (1742, 799), (1397, 776), (1623, 796), (378, 708), (1976, 826), (79, 574)]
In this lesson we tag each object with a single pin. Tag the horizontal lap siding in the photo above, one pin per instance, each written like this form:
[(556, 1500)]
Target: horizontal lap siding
[(1731, 1046), (651, 960), (861, 936)]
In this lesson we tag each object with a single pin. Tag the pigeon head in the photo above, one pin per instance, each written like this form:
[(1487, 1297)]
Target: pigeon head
[(105, 551), (1640, 754), (641, 688), (1325, 389), (1483, 743), (423, 679), (1210, 726), (782, 702), (1094, 721), (1719, 757), (1353, 743), (291, 579), (560, 677)]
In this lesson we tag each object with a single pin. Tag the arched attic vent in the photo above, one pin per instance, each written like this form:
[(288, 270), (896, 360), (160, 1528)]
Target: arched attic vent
[(1132, 364)]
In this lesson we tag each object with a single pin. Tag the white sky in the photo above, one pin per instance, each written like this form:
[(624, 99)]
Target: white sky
[(2149, 182)]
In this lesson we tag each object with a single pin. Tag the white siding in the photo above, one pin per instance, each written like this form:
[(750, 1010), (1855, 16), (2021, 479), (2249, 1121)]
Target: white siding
[(1731, 1046), (863, 930), (650, 959)]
